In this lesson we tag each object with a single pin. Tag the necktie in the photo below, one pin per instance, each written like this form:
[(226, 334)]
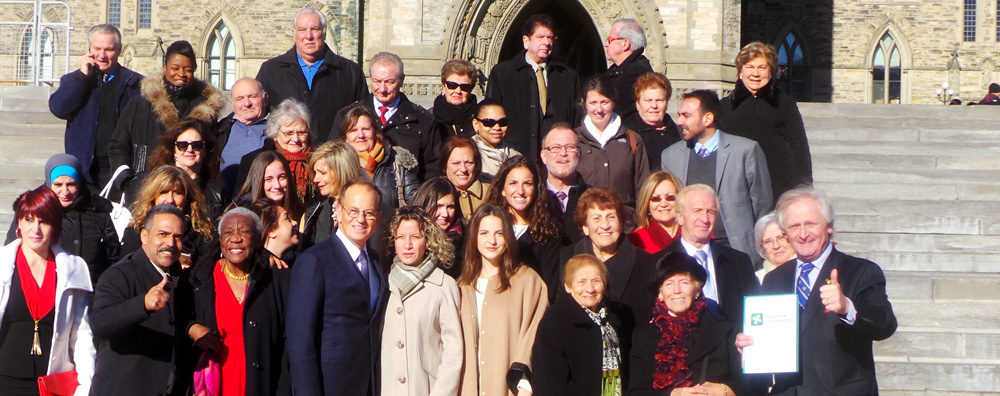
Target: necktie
[(363, 264), (802, 287), (543, 91), (709, 289), (703, 152), (561, 196), (381, 113)]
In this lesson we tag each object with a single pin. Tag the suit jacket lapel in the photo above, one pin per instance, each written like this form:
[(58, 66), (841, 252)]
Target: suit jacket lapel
[(682, 163), (721, 274), (814, 305), (721, 159)]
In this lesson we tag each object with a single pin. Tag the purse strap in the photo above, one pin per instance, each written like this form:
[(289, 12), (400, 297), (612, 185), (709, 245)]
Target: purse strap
[(107, 188)]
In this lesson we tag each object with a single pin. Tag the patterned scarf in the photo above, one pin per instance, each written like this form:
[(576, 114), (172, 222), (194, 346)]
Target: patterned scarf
[(672, 370), (299, 164), (611, 384), (371, 158), (493, 156), (406, 277)]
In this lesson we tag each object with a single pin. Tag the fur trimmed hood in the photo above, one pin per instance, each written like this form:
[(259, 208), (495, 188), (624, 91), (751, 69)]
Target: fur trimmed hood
[(207, 111)]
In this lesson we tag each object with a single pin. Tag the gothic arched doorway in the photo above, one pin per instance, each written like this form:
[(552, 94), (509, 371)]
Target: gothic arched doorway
[(579, 45)]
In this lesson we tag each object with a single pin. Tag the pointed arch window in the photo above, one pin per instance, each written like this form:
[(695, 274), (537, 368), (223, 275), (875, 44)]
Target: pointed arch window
[(222, 57), (793, 73), (886, 71)]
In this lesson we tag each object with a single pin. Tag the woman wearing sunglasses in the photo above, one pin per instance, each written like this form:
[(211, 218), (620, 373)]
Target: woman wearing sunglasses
[(456, 105), (491, 131), (655, 215), (191, 146)]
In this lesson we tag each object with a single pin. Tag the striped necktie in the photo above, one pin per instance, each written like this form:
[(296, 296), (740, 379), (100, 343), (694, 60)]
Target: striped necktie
[(802, 287)]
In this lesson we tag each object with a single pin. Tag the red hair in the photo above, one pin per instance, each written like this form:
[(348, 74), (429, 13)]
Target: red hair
[(42, 204)]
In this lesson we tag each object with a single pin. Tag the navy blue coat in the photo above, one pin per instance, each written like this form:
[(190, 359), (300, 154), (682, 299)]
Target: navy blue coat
[(77, 102), (333, 329)]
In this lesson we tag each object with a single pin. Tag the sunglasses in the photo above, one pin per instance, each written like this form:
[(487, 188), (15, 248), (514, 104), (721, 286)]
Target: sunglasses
[(668, 197), (453, 85), (489, 122), (197, 145)]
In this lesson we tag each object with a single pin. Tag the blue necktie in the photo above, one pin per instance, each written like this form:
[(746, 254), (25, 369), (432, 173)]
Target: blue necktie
[(703, 152), (802, 287), (363, 264)]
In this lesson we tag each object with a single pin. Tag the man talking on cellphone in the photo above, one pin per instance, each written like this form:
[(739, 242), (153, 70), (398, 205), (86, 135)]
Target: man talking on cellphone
[(90, 100)]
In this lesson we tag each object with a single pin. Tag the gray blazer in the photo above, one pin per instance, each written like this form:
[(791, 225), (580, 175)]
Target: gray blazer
[(741, 181)]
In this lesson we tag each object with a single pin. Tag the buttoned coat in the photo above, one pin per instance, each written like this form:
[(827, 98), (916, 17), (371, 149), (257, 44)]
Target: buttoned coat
[(338, 82), (621, 165), (512, 83), (741, 182), (509, 322), (422, 347), (836, 358)]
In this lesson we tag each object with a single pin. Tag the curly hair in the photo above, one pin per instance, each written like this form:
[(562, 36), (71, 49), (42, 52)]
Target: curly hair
[(170, 178), (164, 152), (542, 227), (474, 259), (600, 198), (439, 246), (652, 80)]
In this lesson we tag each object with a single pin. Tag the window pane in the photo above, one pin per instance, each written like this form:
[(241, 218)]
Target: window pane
[(878, 91), (782, 56), (894, 59), (894, 89), (895, 74), (230, 48), (145, 14), (798, 58), (790, 39), (887, 40), (879, 60), (115, 12), (969, 31), (223, 30)]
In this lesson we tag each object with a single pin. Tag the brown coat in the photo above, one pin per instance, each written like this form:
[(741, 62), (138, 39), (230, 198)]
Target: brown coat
[(422, 339), (621, 165), (470, 199), (508, 331)]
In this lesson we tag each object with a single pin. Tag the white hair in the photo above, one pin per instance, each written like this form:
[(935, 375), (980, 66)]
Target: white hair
[(258, 227), (797, 194), (632, 31), (390, 58), (322, 18)]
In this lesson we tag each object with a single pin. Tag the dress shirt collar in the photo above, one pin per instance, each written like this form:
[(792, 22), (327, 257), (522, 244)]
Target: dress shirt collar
[(711, 145), (352, 249)]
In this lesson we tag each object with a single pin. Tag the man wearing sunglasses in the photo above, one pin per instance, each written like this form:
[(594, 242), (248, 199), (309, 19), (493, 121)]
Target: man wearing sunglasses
[(624, 47), (536, 91), (404, 123)]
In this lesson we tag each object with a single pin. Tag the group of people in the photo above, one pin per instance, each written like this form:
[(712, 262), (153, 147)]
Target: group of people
[(324, 240)]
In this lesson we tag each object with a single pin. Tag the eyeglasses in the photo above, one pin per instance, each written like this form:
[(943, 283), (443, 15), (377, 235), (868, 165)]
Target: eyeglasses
[(490, 123), (453, 85), (197, 145), (300, 134), (612, 39), (556, 148), (773, 242), (353, 213), (668, 198)]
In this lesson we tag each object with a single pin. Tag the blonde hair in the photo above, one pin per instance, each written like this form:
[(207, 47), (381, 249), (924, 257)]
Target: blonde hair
[(167, 178), (581, 261), (342, 160), (642, 203), (438, 245)]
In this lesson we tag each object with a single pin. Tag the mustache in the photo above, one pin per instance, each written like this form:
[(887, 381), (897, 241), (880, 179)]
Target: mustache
[(170, 250)]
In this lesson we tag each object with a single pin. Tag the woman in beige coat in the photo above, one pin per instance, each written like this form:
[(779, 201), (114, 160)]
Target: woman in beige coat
[(502, 303), (422, 332)]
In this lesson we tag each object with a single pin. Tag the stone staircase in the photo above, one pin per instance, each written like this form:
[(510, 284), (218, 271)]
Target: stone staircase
[(916, 189), (29, 135)]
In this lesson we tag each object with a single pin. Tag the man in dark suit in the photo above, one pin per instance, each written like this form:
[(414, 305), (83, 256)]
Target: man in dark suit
[(840, 318), (313, 74), (404, 123), (536, 91), (730, 273), (336, 295), (624, 46), (564, 185), (142, 308)]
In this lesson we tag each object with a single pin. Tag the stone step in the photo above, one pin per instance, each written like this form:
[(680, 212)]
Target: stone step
[(25, 91), (942, 287), (918, 243), (981, 161), (907, 191), (24, 104), (894, 134), (57, 130), (930, 343), (29, 150), (907, 176), (930, 149), (968, 262), (896, 392), (30, 117), (929, 224), (913, 122), (937, 376), (838, 111)]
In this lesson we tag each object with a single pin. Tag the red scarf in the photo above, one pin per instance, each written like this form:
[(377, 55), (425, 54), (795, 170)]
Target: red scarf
[(41, 300), (671, 365), (299, 165)]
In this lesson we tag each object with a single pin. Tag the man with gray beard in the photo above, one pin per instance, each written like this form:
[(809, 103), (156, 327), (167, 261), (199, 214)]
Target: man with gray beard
[(561, 155)]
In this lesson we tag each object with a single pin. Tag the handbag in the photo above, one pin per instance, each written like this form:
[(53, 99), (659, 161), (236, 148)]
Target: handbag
[(61, 384), (120, 215), (207, 376)]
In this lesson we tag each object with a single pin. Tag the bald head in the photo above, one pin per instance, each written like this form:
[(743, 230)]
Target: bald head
[(249, 100), (561, 153)]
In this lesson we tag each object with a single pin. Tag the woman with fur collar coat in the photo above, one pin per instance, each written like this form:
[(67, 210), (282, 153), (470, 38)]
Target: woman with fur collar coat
[(166, 100)]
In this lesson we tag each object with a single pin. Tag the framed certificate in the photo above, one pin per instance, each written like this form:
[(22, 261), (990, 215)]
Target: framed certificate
[(773, 321)]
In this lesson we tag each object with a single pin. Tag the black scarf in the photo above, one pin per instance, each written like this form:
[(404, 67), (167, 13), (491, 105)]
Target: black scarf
[(454, 115), (182, 97)]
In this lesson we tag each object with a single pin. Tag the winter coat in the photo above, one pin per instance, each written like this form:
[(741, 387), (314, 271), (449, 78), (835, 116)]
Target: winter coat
[(568, 355), (77, 100), (512, 82), (87, 232), (410, 127), (264, 323), (509, 322), (621, 165), (147, 117), (656, 140), (624, 76), (629, 271), (317, 224), (396, 179), (422, 339), (338, 82), (72, 341), (771, 119)]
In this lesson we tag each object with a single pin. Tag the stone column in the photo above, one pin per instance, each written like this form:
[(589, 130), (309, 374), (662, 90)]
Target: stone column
[(703, 38)]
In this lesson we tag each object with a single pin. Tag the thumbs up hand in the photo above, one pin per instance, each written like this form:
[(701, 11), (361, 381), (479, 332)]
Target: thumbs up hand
[(157, 296), (832, 297)]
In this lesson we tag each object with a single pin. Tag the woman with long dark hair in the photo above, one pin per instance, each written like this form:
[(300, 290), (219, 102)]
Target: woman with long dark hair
[(270, 178)]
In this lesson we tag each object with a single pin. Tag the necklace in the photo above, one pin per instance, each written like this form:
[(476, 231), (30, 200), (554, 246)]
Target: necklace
[(225, 268)]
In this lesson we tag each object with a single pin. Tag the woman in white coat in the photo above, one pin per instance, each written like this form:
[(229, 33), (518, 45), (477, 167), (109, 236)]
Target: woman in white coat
[(44, 301), (422, 333)]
